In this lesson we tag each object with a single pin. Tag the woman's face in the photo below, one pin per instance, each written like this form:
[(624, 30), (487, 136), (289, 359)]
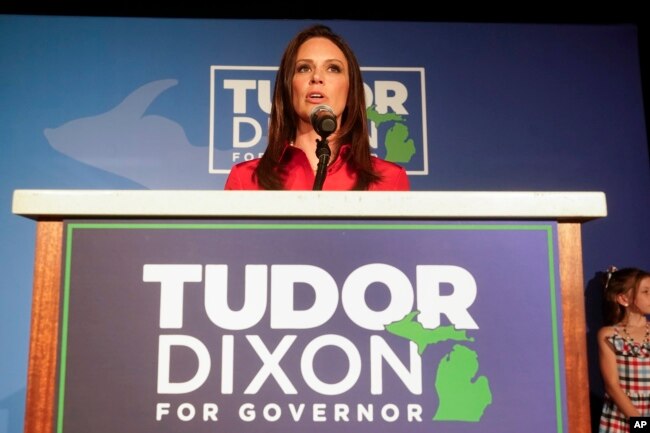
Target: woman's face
[(320, 77)]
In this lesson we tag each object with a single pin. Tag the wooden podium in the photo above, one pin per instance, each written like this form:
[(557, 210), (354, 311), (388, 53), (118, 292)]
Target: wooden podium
[(51, 208)]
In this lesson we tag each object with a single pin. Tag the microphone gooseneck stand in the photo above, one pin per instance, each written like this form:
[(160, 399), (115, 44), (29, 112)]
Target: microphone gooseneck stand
[(323, 153)]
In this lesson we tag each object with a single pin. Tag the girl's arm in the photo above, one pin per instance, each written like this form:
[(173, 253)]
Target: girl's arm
[(607, 360)]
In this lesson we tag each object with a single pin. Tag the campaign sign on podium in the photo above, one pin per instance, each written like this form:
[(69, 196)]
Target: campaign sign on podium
[(286, 325), (292, 311)]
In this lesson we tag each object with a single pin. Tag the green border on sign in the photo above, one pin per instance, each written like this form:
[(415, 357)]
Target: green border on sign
[(72, 226)]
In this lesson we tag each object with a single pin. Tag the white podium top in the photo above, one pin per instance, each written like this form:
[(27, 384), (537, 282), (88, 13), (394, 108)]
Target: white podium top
[(48, 204)]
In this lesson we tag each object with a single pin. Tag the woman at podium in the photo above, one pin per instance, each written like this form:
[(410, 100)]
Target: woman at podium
[(318, 129)]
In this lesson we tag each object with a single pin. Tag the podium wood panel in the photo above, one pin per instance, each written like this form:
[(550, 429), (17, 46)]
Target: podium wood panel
[(41, 370), (574, 327)]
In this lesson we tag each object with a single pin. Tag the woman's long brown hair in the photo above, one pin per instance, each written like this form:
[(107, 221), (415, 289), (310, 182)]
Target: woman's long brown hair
[(283, 123)]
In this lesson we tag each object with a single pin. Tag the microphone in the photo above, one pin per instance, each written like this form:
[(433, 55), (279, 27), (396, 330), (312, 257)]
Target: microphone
[(323, 120)]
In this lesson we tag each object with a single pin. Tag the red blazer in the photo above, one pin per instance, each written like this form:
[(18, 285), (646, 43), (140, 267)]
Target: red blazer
[(340, 176)]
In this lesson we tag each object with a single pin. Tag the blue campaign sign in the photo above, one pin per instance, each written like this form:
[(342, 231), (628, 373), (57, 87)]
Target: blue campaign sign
[(240, 105), (287, 326)]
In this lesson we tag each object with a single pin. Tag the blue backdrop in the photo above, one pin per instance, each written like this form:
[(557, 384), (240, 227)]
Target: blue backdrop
[(133, 103)]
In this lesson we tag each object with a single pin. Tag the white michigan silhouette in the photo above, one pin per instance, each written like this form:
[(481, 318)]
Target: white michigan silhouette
[(151, 150)]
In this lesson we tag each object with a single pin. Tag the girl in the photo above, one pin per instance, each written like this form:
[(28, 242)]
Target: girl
[(624, 348)]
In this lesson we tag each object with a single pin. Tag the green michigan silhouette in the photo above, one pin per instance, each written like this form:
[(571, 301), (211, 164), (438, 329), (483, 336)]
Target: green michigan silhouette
[(462, 396), (399, 146)]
